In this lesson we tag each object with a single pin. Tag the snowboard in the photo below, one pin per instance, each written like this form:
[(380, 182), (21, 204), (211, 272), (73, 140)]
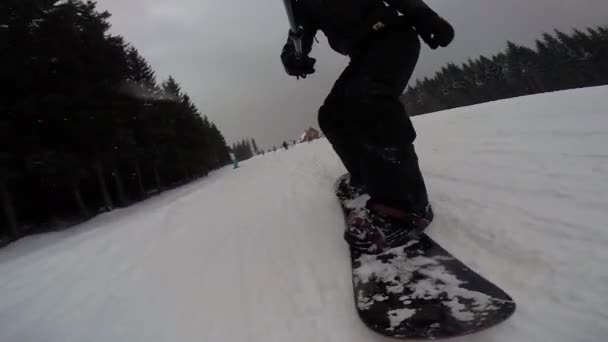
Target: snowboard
[(419, 290)]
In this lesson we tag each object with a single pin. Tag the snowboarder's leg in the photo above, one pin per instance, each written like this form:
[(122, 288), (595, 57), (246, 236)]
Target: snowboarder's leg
[(337, 126), (388, 164)]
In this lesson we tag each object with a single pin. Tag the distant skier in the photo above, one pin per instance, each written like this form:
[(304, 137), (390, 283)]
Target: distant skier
[(235, 162), (363, 117)]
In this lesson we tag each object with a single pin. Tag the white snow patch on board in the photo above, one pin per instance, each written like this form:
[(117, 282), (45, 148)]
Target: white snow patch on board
[(397, 316), (358, 202), (364, 302), (380, 298), (459, 310)]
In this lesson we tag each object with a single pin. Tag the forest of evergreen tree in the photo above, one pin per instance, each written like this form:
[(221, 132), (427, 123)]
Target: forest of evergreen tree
[(245, 149), (84, 125), (560, 61)]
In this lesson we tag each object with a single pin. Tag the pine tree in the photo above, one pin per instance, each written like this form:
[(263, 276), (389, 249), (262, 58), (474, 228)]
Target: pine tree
[(8, 172), (254, 146)]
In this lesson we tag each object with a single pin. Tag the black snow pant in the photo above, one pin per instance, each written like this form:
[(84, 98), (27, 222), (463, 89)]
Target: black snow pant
[(367, 125)]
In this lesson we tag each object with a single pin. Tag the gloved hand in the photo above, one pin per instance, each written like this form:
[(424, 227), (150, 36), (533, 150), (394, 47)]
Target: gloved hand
[(433, 29), (299, 66)]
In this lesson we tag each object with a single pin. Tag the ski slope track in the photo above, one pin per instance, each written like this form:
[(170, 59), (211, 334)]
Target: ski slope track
[(520, 190)]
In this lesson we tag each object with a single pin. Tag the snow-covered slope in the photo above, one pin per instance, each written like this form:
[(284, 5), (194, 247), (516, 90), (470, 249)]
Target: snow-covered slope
[(256, 254)]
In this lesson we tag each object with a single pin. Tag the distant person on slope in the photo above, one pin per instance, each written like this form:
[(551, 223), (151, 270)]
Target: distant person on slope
[(362, 117)]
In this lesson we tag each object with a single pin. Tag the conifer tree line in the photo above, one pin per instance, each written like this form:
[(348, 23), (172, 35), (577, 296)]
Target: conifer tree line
[(84, 125), (245, 149), (559, 61)]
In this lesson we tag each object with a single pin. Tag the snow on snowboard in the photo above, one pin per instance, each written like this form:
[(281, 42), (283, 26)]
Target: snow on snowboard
[(419, 290)]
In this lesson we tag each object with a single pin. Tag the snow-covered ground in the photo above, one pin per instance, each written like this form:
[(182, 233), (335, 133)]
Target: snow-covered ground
[(520, 189)]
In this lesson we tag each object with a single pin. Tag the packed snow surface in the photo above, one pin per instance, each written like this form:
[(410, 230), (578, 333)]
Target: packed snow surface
[(520, 191)]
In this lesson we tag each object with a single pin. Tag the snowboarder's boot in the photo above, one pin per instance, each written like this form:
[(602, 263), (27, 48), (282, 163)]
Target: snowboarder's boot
[(348, 187), (376, 228)]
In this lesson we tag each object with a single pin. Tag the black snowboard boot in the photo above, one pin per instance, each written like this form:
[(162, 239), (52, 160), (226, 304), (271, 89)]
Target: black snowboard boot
[(349, 187), (376, 228)]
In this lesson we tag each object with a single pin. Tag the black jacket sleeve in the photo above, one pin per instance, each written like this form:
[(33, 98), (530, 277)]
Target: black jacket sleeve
[(409, 7)]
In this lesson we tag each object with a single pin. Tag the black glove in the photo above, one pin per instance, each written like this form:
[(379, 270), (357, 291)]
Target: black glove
[(299, 66), (433, 29)]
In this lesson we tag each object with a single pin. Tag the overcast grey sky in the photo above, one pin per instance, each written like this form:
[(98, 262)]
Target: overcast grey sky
[(225, 54)]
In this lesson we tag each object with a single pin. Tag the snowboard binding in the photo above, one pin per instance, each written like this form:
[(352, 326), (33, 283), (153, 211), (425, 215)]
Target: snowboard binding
[(372, 227)]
